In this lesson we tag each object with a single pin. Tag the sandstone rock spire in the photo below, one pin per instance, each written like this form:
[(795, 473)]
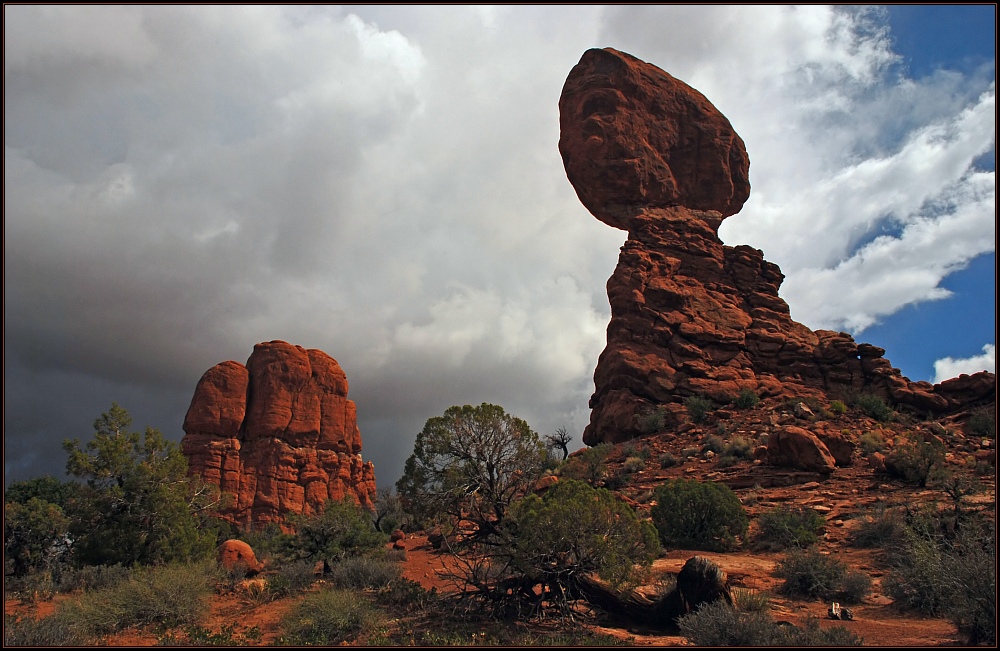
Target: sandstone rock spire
[(278, 434), (689, 315)]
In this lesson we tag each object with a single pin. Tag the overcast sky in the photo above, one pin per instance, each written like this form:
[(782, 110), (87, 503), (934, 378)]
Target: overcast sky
[(383, 183)]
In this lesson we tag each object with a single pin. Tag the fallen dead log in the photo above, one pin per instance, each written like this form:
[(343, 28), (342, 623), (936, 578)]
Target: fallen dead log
[(700, 581)]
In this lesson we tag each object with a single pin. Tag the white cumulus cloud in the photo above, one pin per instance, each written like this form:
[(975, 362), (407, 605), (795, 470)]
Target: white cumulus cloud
[(947, 368)]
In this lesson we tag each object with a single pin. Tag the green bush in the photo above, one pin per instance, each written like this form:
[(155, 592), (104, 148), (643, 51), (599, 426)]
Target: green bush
[(406, 594), (589, 466), (874, 406), (983, 423), (633, 465), (784, 526), (169, 595), (31, 531), (716, 624), (653, 420), (736, 449), (714, 444), (228, 635), (92, 577), (854, 587), (138, 505), (633, 449), (363, 572), (54, 630), (879, 527), (575, 529), (291, 578), (913, 460), (698, 408), (871, 442), (948, 575), (838, 408), (747, 399), (342, 530), (694, 515), (668, 460), (751, 601), (330, 617), (809, 573)]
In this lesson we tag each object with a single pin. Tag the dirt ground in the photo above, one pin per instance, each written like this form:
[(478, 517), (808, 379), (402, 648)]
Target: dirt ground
[(876, 620)]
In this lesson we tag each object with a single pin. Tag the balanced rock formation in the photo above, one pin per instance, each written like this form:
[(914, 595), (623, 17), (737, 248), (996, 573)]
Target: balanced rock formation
[(279, 435), (690, 316)]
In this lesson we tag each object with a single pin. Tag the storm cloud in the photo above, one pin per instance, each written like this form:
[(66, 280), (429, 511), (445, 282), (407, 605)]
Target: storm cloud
[(383, 183)]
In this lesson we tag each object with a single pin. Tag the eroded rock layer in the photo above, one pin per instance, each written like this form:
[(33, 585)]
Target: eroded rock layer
[(279, 435), (690, 315)]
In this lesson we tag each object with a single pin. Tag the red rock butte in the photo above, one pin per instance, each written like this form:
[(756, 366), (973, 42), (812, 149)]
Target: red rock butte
[(689, 315), (278, 434)]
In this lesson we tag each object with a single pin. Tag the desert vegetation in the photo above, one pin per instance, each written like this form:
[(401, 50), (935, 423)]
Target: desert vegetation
[(526, 567)]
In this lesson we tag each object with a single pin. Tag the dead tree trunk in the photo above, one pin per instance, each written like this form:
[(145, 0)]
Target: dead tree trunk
[(700, 581)]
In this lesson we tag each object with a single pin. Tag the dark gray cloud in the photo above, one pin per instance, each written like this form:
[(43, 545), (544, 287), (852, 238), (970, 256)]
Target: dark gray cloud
[(383, 183)]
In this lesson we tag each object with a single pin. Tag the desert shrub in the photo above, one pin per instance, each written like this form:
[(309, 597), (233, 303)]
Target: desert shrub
[(713, 443), (783, 527), (982, 423), (574, 529), (879, 527), (984, 467), (874, 406), (653, 420), (736, 449), (169, 595), (633, 449), (812, 634), (917, 580), (228, 635), (698, 408), (716, 624), (32, 532), (695, 515), (138, 504), (747, 399), (633, 465), (54, 630), (590, 465), (344, 529), (330, 617), (291, 578), (687, 453), (871, 442), (838, 408), (951, 575), (751, 601), (362, 572), (668, 460), (405, 594), (809, 573), (971, 565), (92, 577), (616, 482), (854, 587), (913, 459)]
